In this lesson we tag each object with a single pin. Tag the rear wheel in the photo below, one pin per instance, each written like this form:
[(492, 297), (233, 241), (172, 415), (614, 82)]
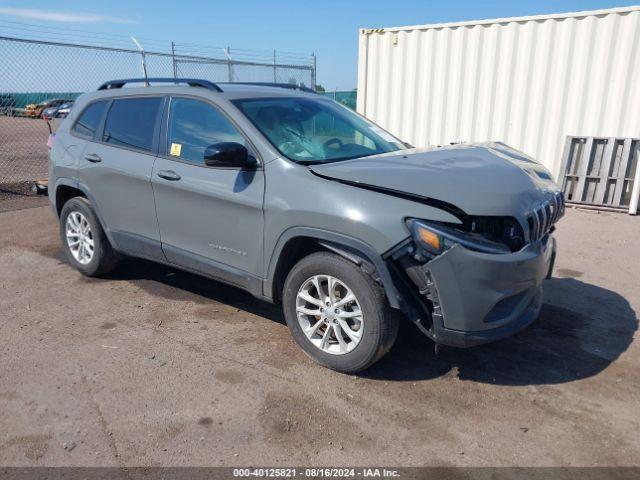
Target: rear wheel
[(83, 239), (338, 313)]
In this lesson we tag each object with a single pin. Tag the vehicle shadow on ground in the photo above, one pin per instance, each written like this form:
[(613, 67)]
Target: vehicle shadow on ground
[(171, 283), (562, 345)]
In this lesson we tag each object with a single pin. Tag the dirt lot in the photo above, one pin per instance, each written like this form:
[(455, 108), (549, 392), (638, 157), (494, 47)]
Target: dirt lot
[(23, 150), (23, 160), (157, 367)]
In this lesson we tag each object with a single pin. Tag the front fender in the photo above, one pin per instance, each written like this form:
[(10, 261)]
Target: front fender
[(352, 245)]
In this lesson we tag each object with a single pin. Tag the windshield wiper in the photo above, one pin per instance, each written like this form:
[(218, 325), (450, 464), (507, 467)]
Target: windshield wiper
[(312, 162), (334, 160)]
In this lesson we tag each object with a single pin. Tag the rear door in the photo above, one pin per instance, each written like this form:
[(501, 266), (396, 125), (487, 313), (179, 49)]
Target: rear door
[(210, 218), (69, 145), (116, 169)]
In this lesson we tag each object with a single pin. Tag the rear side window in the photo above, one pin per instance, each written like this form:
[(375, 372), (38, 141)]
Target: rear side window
[(89, 121), (131, 121)]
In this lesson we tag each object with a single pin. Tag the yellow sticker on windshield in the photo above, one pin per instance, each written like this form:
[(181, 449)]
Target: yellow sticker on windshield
[(176, 148)]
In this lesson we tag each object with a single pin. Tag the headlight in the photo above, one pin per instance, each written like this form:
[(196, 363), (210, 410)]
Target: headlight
[(435, 238)]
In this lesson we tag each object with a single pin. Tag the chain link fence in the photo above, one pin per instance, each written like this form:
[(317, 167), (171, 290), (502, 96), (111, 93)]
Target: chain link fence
[(37, 73), (347, 98)]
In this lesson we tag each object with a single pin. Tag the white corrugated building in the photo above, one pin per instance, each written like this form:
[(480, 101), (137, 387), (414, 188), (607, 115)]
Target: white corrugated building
[(527, 81)]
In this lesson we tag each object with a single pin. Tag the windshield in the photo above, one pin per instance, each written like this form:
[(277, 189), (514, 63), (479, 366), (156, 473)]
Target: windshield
[(307, 130)]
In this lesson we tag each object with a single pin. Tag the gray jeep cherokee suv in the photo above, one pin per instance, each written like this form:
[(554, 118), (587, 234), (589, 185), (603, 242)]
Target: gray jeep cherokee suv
[(298, 200)]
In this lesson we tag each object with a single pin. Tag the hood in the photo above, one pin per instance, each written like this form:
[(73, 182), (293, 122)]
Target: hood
[(480, 179)]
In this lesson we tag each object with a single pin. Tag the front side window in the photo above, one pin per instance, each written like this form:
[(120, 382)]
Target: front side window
[(309, 130), (131, 122), (193, 126), (89, 121)]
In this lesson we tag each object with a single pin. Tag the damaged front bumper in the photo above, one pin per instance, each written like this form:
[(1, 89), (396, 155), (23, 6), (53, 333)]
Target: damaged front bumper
[(476, 298)]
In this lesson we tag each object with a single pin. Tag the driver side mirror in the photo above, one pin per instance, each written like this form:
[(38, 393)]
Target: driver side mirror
[(228, 154)]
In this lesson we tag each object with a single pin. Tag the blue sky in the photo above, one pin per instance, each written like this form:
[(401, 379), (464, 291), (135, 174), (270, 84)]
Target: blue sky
[(327, 28)]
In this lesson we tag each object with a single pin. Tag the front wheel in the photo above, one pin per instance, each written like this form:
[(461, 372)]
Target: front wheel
[(337, 313)]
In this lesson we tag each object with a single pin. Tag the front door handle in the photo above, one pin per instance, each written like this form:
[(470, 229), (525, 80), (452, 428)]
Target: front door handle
[(93, 157), (169, 175)]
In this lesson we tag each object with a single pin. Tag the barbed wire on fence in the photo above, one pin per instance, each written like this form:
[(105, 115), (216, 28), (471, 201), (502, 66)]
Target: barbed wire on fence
[(41, 64), (82, 37)]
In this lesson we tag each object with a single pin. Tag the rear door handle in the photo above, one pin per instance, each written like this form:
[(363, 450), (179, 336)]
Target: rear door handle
[(93, 157), (169, 175)]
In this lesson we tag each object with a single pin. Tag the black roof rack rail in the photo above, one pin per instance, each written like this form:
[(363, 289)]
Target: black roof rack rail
[(290, 86), (192, 82)]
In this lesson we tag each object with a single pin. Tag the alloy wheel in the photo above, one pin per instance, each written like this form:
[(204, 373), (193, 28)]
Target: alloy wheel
[(329, 314), (79, 237)]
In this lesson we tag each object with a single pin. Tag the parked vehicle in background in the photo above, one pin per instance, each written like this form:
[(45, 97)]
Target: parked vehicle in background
[(7, 104), (301, 201), (64, 110), (48, 113), (35, 110), (59, 111)]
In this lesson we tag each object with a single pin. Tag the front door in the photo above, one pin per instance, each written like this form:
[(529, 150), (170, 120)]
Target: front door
[(210, 219)]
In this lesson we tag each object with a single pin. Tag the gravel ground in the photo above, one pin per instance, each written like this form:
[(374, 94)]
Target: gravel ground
[(23, 160), (11, 200), (23, 150), (152, 366)]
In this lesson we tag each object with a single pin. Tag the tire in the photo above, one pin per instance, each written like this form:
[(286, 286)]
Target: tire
[(103, 259), (377, 325)]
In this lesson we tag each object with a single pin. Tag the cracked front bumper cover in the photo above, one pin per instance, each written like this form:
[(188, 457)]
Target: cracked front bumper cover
[(479, 298)]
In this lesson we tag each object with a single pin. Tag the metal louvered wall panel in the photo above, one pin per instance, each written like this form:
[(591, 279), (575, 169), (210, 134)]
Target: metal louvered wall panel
[(529, 82)]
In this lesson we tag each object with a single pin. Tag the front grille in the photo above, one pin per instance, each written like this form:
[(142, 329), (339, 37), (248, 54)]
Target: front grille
[(542, 218), (504, 230)]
